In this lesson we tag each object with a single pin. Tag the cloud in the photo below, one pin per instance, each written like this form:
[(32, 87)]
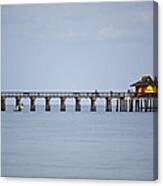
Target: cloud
[(88, 23), (109, 32)]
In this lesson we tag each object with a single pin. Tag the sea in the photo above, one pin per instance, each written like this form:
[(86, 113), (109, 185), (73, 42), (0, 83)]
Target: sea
[(89, 145)]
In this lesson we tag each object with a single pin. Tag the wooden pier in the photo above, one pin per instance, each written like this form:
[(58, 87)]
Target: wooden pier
[(124, 101)]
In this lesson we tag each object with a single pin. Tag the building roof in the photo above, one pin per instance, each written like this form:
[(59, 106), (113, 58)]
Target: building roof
[(144, 81)]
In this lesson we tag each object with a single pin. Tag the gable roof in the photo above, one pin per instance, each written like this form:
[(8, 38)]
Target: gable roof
[(145, 81)]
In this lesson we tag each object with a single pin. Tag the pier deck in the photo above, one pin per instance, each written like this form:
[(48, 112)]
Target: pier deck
[(125, 101)]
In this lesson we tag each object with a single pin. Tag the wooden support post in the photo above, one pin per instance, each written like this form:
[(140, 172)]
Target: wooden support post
[(145, 105), (3, 103), (108, 104), (32, 103), (62, 106), (117, 105), (120, 109), (93, 104), (130, 105), (18, 103), (137, 105), (150, 105), (141, 105), (77, 104), (122, 104), (47, 104), (125, 105)]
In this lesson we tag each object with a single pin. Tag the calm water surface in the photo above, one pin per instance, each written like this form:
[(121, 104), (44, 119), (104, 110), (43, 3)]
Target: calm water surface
[(96, 145)]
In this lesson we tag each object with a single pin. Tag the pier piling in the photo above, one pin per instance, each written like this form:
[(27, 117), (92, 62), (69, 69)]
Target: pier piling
[(47, 104), (77, 104), (145, 105), (130, 105), (108, 104), (117, 104), (18, 103), (123, 104), (141, 105), (93, 104), (137, 105), (3, 103), (32, 103), (63, 106), (150, 105)]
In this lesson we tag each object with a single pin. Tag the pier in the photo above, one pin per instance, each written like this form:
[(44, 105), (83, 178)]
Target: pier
[(123, 101)]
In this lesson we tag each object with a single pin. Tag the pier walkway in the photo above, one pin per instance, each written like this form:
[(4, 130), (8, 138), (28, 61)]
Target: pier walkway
[(125, 101)]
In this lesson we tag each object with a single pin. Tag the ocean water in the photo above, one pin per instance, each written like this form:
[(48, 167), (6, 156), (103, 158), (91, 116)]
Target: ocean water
[(96, 145)]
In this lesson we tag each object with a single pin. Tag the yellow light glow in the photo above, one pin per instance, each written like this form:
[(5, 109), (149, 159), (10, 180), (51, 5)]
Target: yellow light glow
[(149, 89), (140, 90)]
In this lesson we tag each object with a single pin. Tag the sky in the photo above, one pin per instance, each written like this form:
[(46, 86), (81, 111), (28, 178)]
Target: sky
[(76, 47)]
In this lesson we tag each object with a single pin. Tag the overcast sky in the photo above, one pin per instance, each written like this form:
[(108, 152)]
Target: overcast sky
[(104, 46)]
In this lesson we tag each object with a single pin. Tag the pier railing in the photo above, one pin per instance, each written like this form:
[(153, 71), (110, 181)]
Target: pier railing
[(74, 94)]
